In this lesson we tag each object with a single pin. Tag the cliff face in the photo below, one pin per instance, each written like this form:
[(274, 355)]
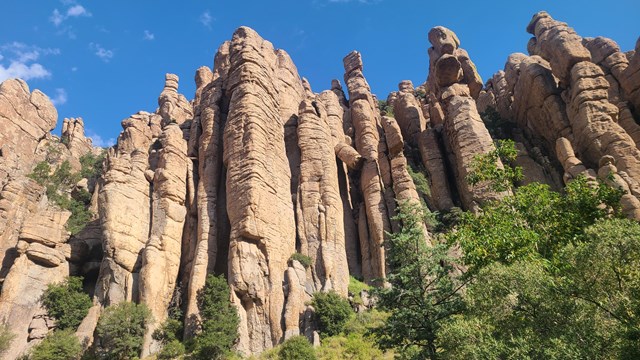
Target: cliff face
[(258, 167)]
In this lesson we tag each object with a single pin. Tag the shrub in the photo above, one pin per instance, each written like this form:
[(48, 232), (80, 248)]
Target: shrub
[(332, 312), (420, 181), (172, 350), (58, 185), (59, 345), (297, 348), (91, 165), (304, 260), (6, 336), (385, 108), (67, 303), (121, 329), (485, 167), (219, 320), (41, 173), (170, 334)]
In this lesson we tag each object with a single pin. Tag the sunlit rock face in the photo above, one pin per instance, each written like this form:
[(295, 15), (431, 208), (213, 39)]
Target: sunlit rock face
[(258, 167)]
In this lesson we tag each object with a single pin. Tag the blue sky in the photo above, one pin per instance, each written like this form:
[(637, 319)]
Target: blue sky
[(105, 60)]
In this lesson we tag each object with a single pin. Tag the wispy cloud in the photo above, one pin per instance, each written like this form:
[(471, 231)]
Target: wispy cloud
[(60, 98), (104, 54), (148, 35), (75, 10), (23, 71), (78, 10), (22, 61), (206, 19), (98, 140)]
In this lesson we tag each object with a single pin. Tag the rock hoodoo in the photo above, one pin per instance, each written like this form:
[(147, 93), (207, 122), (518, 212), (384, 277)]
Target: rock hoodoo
[(259, 167)]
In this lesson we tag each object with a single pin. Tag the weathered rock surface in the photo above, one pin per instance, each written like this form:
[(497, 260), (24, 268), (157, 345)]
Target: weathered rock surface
[(258, 167), (366, 123), (73, 137), (258, 179)]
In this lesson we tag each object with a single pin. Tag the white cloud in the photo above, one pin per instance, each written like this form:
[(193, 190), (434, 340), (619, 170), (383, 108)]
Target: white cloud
[(60, 98), (97, 140), (74, 69), (57, 17), (23, 71), (78, 10), (206, 19), (104, 54), (148, 35), (22, 61)]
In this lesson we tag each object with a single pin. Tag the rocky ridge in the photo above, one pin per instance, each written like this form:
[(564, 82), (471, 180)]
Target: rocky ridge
[(258, 167)]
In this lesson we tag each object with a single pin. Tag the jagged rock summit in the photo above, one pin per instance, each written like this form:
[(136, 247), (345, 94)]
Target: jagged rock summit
[(258, 167)]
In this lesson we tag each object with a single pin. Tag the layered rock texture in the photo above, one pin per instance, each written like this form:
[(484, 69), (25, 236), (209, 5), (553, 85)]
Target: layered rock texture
[(259, 167)]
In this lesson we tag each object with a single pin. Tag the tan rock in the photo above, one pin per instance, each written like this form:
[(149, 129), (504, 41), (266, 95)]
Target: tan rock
[(162, 252), (433, 161), (319, 207), (73, 137), (25, 118), (258, 179), (368, 143)]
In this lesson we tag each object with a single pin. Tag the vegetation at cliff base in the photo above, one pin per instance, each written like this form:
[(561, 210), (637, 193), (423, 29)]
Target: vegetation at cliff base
[(332, 312), (218, 327), (67, 303), (120, 331), (58, 345)]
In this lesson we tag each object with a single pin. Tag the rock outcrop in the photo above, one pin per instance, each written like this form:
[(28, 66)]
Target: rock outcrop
[(259, 172)]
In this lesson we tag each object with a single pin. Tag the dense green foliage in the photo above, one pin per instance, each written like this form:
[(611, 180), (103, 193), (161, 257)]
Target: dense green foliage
[(92, 165), (67, 303), (297, 348), (423, 292), (58, 345), (332, 312), (219, 321), (485, 167), (584, 305), (6, 336), (170, 335), (120, 331), (534, 222), (304, 260)]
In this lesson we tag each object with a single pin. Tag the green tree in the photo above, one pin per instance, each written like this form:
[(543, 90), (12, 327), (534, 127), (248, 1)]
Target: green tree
[(170, 335), (485, 167), (424, 291), (297, 348), (67, 303), (219, 321), (58, 345), (332, 312), (91, 164), (121, 329)]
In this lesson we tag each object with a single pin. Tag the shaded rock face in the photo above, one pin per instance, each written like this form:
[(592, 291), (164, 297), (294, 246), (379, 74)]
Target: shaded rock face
[(258, 167), (454, 80)]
